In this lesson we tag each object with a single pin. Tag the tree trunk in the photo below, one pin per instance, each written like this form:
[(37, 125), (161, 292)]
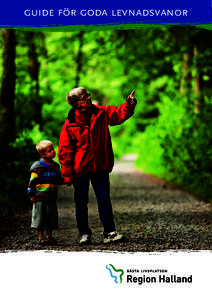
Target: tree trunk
[(186, 78), (7, 115), (34, 68), (198, 88)]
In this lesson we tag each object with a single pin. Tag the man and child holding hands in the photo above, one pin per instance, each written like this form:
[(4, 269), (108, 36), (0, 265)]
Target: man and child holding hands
[(86, 156)]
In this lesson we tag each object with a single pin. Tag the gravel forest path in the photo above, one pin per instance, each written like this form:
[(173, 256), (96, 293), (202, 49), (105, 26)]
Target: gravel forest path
[(153, 215)]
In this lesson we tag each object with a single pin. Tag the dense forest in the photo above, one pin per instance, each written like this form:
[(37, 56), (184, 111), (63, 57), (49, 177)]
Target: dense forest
[(170, 69)]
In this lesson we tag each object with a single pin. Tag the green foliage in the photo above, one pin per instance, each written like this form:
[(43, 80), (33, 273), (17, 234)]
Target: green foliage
[(36, 135), (171, 141), (188, 155), (178, 147), (149, 152)]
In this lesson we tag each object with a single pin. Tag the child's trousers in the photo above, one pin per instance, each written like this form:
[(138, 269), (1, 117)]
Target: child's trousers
[(101, 186)]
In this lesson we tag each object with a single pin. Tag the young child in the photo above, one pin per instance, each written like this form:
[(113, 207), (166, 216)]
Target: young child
[(42, 190)]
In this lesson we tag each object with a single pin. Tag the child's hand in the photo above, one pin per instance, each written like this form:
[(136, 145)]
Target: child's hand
[(33, 199), (130, 99)]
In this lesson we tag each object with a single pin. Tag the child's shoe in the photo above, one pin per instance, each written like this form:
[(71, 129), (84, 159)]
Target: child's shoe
[(113, 237), (51, 242), (42, 242)]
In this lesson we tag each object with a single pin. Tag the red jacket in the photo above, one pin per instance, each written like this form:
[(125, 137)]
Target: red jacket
[(84, 149)]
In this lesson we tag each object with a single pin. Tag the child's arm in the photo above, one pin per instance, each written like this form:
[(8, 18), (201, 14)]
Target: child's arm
[(32, 186)]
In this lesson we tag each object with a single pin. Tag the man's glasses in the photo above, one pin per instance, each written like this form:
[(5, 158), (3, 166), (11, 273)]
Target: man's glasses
[(84, 97)]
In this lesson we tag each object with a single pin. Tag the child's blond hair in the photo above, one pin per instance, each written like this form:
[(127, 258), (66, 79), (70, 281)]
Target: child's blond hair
[(42, 145), (73, 96)]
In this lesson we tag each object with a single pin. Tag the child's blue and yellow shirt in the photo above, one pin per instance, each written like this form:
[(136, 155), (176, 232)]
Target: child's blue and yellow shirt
[(44, 181)]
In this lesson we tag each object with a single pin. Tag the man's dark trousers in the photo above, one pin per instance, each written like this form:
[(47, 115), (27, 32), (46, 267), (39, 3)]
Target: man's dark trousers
[(101, 186)]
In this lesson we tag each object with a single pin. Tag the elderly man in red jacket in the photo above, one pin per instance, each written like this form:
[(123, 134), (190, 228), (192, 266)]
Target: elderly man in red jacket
[(86, 155)]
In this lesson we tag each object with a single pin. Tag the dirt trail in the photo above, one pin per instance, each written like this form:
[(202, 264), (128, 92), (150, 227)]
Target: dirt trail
[(153, 216)]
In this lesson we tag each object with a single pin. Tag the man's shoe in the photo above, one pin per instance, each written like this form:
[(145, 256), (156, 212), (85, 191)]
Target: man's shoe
[(113, 237), (85, 239)]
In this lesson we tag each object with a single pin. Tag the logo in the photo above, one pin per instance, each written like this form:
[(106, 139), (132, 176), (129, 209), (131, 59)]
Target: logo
[(146, 276), (116, 274)]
